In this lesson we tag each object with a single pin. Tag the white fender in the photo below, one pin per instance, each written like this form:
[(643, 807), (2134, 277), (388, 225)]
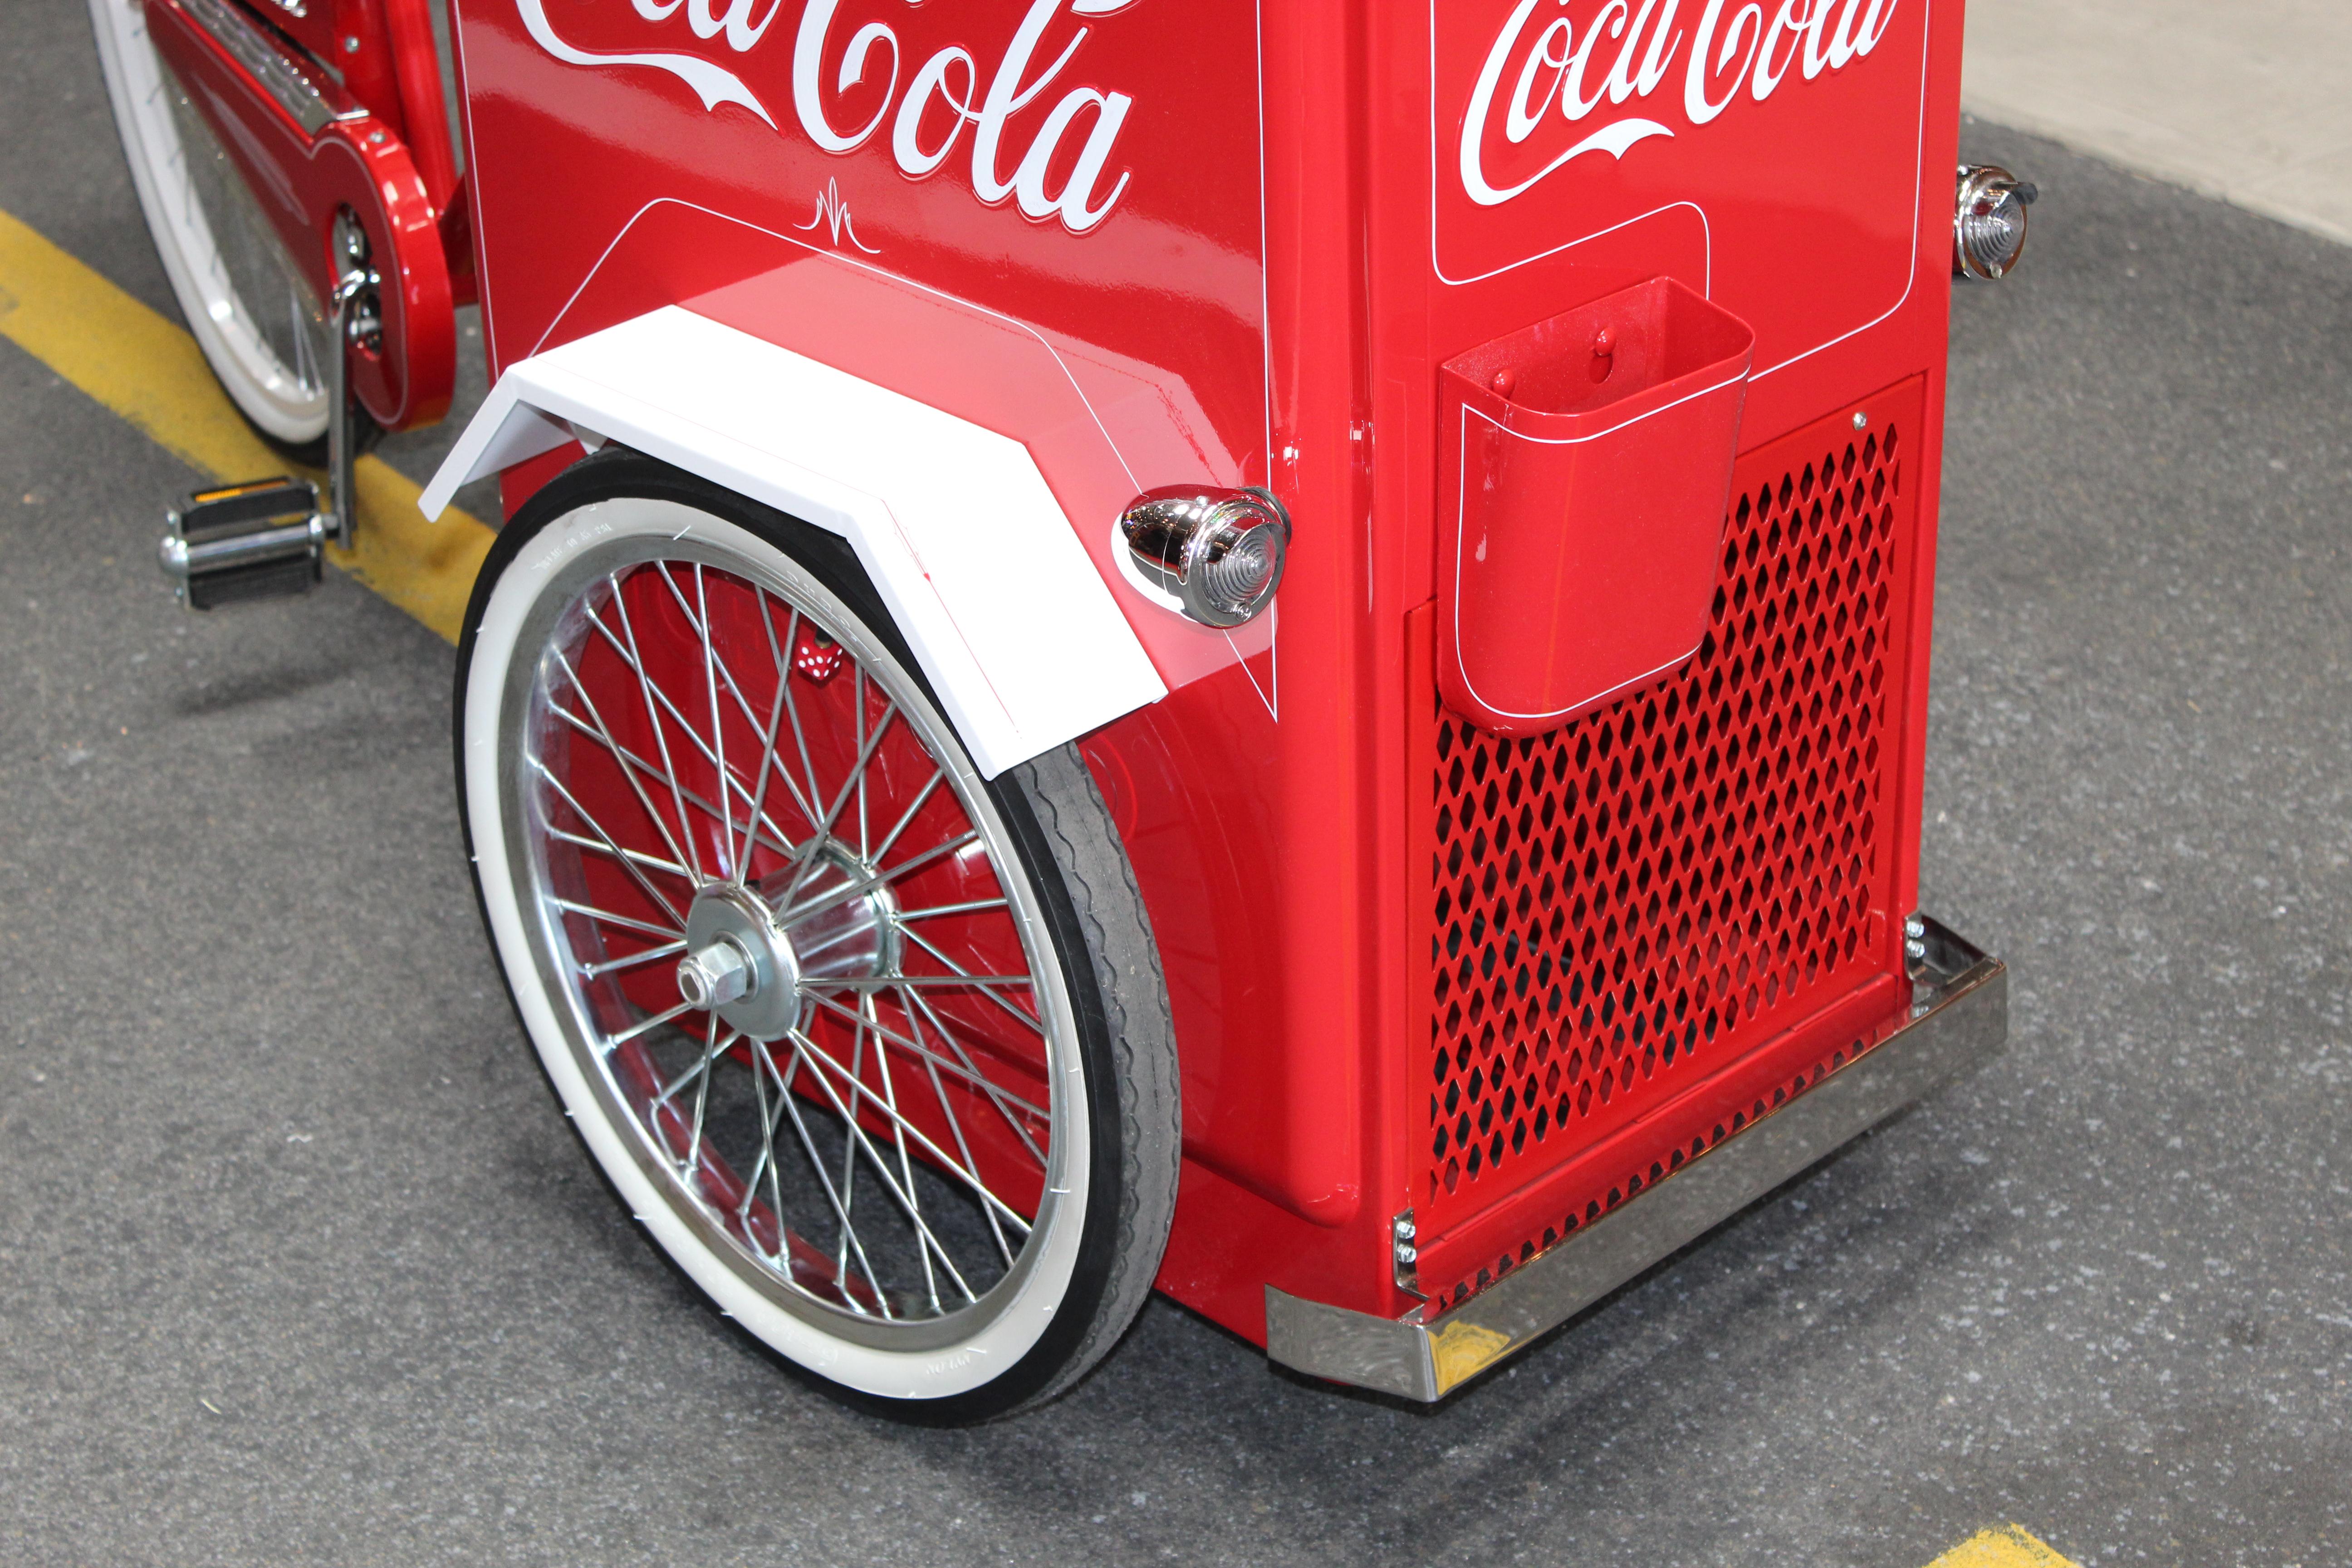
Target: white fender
[(955, 525)]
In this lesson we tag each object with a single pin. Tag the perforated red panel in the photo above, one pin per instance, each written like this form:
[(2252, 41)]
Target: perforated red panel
[(1631, 913)]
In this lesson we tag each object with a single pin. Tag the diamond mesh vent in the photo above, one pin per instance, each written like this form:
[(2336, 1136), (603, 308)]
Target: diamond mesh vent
[(1626, 908)]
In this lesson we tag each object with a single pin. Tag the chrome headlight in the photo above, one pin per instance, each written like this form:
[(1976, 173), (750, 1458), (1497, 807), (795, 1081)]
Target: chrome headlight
[(1989, 226), (1219, 552)]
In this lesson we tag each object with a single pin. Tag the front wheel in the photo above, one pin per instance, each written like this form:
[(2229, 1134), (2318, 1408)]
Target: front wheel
[(261, 327), (878, 1050)]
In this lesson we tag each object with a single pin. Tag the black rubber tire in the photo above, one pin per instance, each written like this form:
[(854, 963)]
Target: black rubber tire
[(1099, 928)]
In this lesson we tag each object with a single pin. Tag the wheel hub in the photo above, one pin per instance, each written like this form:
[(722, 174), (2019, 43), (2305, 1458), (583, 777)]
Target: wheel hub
[(752, 952)]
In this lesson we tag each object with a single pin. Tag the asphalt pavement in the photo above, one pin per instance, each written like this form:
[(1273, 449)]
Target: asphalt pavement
[(299, 1263)]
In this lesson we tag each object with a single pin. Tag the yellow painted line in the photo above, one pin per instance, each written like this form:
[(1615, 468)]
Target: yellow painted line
[(2008, 1547), (151, 372)]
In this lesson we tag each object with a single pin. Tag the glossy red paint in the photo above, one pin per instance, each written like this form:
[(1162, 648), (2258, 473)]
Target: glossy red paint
[(300, 180), (417, 77), (1230, 243)]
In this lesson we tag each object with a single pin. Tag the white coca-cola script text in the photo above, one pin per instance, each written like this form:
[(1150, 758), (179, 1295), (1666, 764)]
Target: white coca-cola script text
[(1591, 61), (950, 93)]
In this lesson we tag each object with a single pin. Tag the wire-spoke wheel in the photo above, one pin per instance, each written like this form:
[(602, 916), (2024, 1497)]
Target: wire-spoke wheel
[(877, 1049), (259, 324)]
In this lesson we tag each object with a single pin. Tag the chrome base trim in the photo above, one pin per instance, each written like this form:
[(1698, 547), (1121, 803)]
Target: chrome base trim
[(1957, 1021)]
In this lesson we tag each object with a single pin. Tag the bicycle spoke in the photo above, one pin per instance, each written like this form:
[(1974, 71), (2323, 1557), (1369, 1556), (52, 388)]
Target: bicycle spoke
[(974, 981), (773, 837), (796, 913), (612, 965), (603, 733), (767, 764), (825, 829), (791, 1106), (805, 1047), (937, 910), (626, 923), (963, 1069), (629, 858), (818, 1057), (882, 850), (645, 1026), (963, 1147), (717, 730), (915, 1002), (653, 716)]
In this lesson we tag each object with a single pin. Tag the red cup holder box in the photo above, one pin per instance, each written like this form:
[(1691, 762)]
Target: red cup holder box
[(1586, 468)]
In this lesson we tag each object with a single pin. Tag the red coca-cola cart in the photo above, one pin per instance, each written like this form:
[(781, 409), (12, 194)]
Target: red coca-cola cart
[(1272, 648)]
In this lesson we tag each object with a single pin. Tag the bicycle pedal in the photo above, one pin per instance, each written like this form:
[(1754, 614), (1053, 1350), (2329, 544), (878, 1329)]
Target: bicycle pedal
[(265, 539)]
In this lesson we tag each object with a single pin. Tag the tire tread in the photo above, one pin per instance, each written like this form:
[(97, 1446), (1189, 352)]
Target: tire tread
[(1085, 845)]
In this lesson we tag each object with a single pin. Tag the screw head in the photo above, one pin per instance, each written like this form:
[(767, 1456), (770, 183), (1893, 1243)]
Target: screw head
[(1914, 949), (1407, 1253), (351, 44), (1915, 926), (1862, 421)]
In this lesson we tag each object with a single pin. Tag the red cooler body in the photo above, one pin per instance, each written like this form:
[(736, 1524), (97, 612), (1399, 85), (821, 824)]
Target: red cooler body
[(1536, 881)]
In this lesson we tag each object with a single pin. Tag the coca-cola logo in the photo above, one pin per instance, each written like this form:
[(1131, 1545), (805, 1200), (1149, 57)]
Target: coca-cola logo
[(954, 107), (1554, 91)]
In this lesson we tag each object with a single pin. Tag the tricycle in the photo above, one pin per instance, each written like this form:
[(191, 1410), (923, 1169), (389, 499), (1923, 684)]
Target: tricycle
[(1273, 649)]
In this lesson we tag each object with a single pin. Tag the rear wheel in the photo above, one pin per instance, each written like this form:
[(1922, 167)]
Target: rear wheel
[(259, 324), (878, 1050)]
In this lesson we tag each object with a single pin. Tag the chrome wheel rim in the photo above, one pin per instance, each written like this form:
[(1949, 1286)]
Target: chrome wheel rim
[(702, 747)]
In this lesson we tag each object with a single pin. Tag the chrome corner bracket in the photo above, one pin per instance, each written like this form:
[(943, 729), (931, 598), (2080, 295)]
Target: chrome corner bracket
[(1958, 1019)]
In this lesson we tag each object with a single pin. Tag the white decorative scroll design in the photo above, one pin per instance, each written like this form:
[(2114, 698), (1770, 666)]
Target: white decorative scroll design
[(1613, 140), (833, 211), (713, 84)]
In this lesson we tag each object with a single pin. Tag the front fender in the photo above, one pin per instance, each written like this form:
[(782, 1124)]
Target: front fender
[(954, 523)]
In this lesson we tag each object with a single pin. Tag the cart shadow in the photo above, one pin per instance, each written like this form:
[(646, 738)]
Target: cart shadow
[(1583, 1422)]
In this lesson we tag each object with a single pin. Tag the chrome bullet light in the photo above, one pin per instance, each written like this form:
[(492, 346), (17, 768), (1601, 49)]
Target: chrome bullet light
[(1219, 552), (1989, 226)]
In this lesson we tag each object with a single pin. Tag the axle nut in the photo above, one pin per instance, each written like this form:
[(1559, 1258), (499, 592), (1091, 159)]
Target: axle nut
[(721, 972)]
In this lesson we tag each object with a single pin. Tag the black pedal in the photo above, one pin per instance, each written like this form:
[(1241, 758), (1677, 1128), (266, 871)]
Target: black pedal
[(261, 540)]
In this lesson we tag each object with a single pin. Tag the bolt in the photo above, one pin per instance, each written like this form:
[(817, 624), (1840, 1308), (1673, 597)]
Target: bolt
[(1406, 1252), (1862, 421), (1404, 1230), (1915, 928), (717, 976), (375, 137), (1914, 949), (351, 44)]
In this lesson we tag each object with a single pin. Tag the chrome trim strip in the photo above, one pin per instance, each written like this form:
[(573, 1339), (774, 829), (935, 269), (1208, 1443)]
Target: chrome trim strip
[(308, 103), (1957, 1021)]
